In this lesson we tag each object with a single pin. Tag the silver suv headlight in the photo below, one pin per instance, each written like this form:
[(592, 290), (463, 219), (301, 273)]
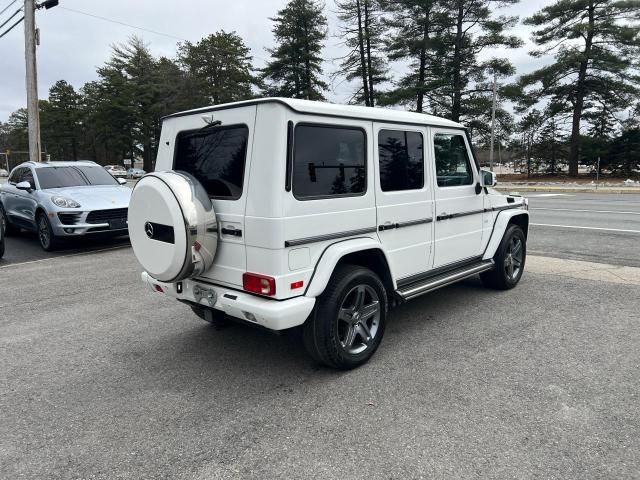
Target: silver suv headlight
[(64, 202)]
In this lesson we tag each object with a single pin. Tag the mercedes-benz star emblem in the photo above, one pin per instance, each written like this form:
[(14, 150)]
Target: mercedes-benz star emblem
[(148, 228)]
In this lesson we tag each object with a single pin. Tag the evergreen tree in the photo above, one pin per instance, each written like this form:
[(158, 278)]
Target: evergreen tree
[(295, 70), (414, 29), (60, 122), (596, 43), (362, 33), (221, 65), (469, 29)]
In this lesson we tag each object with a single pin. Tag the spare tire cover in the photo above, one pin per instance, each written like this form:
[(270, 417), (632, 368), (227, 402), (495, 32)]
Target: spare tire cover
[(172, 226)]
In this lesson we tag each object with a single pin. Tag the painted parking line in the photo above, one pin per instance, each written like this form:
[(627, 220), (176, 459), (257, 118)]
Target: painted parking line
[(585, 228), (539, 195), (582, 210), (80, 254)]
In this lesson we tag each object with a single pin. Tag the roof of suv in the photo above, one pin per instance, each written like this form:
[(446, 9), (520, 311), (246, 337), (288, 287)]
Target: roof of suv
[(82, 163), (336, 110)]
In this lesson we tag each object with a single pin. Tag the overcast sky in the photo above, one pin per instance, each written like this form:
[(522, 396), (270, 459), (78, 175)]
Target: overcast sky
[(73, 45)]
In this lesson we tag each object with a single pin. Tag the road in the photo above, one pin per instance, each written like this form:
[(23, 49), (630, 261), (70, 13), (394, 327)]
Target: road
[(609, 230), (594, 227), (101, 378)]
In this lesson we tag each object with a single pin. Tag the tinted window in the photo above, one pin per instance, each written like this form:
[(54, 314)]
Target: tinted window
[(452, 161), (74, 176), (328, 161), (216, 157), (27, 176), (15, 175), (401, 160)]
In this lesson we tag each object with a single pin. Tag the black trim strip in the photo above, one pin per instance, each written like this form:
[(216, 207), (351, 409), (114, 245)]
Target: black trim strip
[(505, 207), (409, 223), (459, 214), (289, 167), (403, 282), (328, 236)]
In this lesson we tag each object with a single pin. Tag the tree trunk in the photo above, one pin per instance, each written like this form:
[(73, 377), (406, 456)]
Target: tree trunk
[(457, 65), (367, 36), (423, 63), (574, 151), (363, 60)]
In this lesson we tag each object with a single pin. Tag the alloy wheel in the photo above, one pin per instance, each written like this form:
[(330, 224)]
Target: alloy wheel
[(43, 232), (358, 319), (513, 260)]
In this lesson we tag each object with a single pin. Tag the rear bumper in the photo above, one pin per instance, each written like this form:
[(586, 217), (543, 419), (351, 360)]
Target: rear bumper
[(268, 313)]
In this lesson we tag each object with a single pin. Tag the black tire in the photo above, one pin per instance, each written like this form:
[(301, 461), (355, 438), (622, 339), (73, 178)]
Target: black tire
[(46, 237), (217, 318), (345, 344), (4, 223), (509, 261)]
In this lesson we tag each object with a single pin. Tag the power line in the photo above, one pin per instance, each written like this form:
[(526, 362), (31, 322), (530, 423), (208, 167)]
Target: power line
[(122, 23), (12, 27), (7, 7), (9, 19)]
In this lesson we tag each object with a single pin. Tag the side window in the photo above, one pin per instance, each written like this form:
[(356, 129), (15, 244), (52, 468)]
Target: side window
[(27, 176), (15, 175), (401, 160), (328, 161), (453, 167)]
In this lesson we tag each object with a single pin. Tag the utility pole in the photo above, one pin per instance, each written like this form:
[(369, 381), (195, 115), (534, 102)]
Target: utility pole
[(33, 113), (493, 120)]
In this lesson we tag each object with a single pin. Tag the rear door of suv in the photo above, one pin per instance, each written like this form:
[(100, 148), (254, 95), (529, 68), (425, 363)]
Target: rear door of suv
[(216, 148)]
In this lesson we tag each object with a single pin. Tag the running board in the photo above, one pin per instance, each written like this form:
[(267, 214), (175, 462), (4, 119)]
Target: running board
[(434, 283)]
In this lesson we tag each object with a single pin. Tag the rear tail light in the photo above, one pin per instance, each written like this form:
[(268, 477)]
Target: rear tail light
[(261, 284)]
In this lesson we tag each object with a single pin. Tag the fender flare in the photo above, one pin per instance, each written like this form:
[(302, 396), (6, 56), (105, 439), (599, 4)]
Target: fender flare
[(332, 255), (499, 227)]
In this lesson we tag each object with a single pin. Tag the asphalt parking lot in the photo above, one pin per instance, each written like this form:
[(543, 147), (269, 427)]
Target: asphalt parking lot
[(101, 378)]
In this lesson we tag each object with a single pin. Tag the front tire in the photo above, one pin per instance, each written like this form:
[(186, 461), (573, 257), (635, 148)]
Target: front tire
[(509, 259), (46, 236), (347, 325)]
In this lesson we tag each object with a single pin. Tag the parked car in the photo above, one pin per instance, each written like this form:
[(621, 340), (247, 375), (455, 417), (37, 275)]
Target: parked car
[(3, 173), (285, 213), (2, 228), (116, 170), (135, 173), (64, 200)]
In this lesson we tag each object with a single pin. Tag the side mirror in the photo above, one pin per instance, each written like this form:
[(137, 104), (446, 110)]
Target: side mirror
[(122, 181), (488, 178), (24, 186)]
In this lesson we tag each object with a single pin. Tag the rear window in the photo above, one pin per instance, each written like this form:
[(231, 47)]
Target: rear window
[(72, 176), (216, 157), (328, 161)]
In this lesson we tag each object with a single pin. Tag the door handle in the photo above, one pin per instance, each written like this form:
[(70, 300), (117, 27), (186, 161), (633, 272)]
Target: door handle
[(232, 231)]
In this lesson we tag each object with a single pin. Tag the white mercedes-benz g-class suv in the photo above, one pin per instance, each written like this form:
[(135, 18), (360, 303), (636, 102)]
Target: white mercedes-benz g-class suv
[(286, 213)]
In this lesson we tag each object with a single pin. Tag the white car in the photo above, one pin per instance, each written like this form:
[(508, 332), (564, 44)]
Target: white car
[(116, 170), (288, 213), (3, 172)]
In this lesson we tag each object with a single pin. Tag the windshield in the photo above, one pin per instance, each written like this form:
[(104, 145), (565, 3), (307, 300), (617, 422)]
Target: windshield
[(72, 176)]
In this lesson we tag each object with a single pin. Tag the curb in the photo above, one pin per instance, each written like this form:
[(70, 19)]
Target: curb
[(529, 188)]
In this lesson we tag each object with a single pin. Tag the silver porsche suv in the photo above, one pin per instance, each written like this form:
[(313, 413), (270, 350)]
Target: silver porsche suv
[(63, 200)]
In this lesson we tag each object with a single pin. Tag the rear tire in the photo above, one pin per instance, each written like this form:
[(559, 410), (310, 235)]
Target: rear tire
[(47, 239), (4, 223), (348, 322), (509, 259)]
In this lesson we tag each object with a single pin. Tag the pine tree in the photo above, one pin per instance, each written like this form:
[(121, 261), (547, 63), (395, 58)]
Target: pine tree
[(362, 33), (60, 122), (414, 27), (295, 70), (221, 65), (596, 43), (470, 28)]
